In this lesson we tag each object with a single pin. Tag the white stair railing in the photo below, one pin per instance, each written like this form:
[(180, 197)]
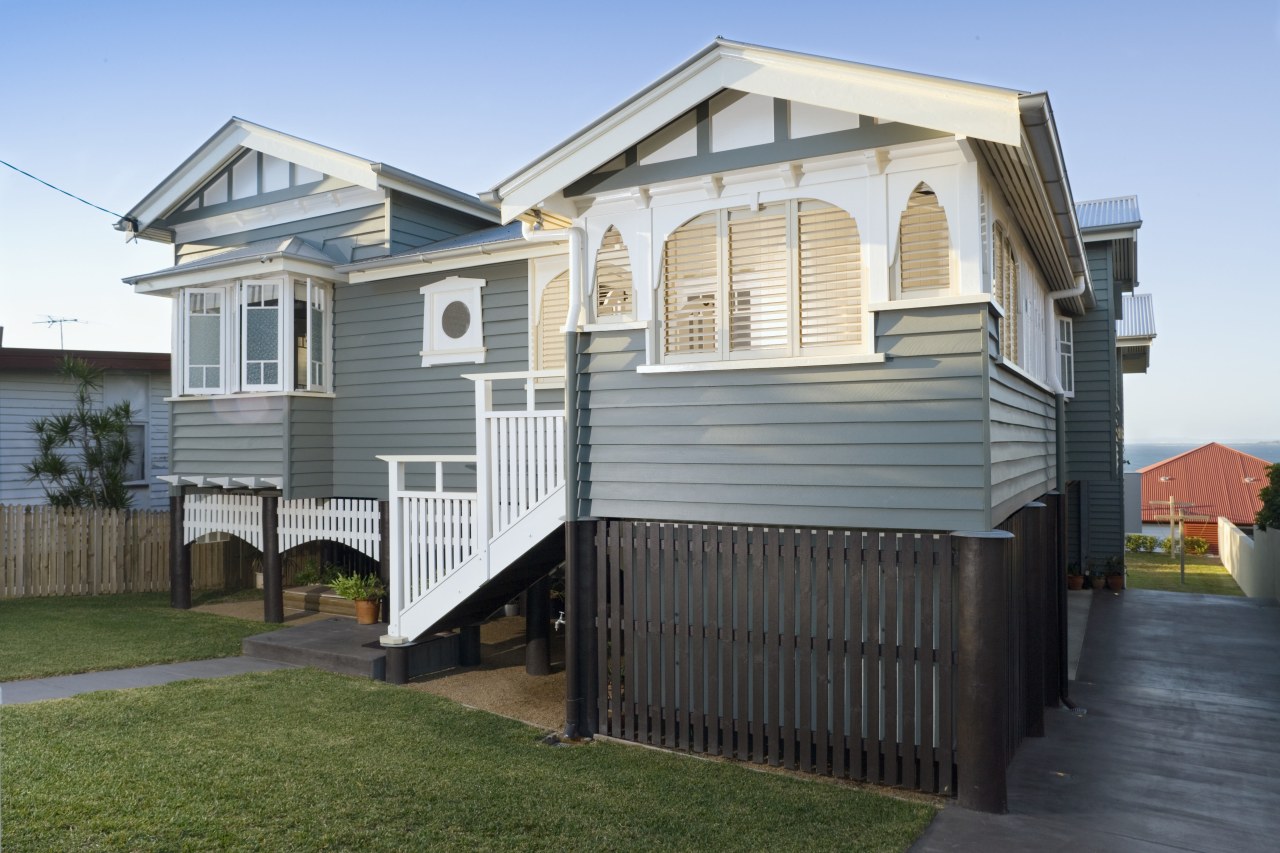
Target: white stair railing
[(440, 540)]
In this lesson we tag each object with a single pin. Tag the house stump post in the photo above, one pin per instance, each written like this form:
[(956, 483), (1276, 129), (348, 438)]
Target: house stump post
[(1056, 686), (581, 678), (179, 554), (272, 582), (537, 628), (982, 684), (1037, 572), (469, 645)]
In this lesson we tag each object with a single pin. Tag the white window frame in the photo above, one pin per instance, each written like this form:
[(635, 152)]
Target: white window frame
[(1066, 356), (438, 348), (232, 337)]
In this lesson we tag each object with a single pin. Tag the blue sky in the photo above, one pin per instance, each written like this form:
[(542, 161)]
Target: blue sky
[(1176, 103)]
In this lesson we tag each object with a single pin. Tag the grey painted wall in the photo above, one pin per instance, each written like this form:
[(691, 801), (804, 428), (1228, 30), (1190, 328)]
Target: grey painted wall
[(1024, 462), (346, 236), (29, 394), (386, 402), (310, 473), (415, 222), (229, 436), (1093, 417), (894, 445)]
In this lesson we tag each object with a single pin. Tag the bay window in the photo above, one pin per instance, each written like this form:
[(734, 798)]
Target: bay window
[(244, 336)]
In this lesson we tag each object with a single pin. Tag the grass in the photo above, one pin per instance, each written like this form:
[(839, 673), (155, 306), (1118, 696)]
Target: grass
[(305, 760), (41, 637), (1205, 575)]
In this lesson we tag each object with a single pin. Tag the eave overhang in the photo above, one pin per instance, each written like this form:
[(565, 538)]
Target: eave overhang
[(425, 262), (162, 282), (238, 134), (966, 109)]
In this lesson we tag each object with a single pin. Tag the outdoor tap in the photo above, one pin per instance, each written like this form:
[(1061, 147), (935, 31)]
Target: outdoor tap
[(559, 621)]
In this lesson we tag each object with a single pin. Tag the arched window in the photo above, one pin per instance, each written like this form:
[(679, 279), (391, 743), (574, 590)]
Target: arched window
[(1004, 286), (924, 246), (785, 279), (613, 288), (553, 309)]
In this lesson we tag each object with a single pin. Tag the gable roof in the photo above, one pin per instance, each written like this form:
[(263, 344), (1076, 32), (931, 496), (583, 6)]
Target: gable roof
[(968, 109), (1013, 129), (238, 134), (22, 358), (1214, 479), (1121, 211)]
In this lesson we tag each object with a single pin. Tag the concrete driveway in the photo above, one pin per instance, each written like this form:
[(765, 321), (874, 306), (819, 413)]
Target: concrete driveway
[(1175, 746)]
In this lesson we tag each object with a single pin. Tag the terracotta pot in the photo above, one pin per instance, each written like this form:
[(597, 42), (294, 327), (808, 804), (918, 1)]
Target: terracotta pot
[(1075, 581), (1115, 583), (1098, 581), (366, 612)]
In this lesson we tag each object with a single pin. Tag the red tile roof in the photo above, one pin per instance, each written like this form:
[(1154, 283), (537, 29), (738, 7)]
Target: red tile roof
[(1214, 480)]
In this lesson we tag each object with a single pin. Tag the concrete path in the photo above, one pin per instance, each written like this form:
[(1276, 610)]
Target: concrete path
[(1177, 748), (62, 686)]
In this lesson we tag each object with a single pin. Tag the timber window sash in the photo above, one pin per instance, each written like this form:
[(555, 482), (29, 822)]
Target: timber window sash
[(783, 279), (1066, 356), (204, 345), (261, 334)]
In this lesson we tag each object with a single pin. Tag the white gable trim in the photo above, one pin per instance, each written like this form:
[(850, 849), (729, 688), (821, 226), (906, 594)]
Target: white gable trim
[(965, 109)]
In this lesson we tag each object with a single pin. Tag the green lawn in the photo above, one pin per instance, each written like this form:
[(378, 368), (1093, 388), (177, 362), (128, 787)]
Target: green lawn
[(1155, 571), (58, 636), (305, 760)]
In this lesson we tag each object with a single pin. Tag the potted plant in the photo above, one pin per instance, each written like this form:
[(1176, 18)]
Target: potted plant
[(364, 590), (1097, 576), (1115, 574), (1075, 577)]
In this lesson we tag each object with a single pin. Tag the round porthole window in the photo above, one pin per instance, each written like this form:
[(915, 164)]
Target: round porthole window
[(455, 320)]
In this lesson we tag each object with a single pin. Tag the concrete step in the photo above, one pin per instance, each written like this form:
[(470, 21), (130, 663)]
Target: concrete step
[(340, 645)]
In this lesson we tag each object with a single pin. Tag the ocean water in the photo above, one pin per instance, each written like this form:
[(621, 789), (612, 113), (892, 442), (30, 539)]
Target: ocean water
[(1141, 455)]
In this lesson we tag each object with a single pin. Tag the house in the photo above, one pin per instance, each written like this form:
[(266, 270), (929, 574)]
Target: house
[(1210, 482), (1108, 343), (31, 387), (748, 351)]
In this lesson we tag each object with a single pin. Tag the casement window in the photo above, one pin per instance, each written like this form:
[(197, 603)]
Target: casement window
[(1004, 286), (553, 310), (783, 280), (1066, 357), (453, 331), (614, 292), (924, 247), (245, 336), (135, 471)]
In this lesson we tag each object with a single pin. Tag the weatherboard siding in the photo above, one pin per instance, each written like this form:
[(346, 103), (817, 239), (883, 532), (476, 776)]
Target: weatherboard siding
[(416, 222), (1023, 442), (229, 436), (896, 445), (310, 447), (386, 402)]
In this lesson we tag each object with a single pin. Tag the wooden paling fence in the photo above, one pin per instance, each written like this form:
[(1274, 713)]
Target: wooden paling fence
[(46, 551), (828, 651)]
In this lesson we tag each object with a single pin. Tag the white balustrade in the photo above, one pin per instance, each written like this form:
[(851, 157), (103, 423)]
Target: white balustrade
[(349, 521)]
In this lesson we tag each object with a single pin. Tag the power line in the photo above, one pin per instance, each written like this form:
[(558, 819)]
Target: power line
[(61, 190)]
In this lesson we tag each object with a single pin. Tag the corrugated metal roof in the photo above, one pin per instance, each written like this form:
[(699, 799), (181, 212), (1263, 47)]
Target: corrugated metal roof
[(1213, 480), (1138, 318), (293, 247), (496, 234), (1109, 212)]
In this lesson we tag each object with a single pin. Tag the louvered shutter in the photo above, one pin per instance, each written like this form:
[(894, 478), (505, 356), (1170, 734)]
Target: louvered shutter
[(758, 274), (1005, 288), (691, 279), (613, 278), (830, 276), (924, 245), (553, 309)]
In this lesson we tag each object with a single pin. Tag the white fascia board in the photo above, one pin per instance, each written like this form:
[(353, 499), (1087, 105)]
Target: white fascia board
[(280, 213), (347, 167), (207, 159), (462, 258), (965, 109), (168, 280)]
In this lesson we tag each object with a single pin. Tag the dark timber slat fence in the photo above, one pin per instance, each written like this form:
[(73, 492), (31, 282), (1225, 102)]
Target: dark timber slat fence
[(829, 651)]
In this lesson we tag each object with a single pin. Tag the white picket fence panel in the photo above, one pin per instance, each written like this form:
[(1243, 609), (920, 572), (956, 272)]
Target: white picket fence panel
[(349, 521), (239, 515)]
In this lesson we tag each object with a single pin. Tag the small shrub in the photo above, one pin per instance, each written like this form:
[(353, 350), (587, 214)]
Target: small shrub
[(1167, 545), (1269, 514), (1196, 545), (359, 587), (1139, 543)]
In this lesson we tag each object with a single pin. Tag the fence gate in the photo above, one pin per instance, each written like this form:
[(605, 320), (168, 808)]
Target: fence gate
[(828, 651)]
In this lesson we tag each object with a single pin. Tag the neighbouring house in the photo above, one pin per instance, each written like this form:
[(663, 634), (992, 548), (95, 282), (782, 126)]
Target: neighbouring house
[(31, 387), (787, 357), (1210, 482), (1111, 340)]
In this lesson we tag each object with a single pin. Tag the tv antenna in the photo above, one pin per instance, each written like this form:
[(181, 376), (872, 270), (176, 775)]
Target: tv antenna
[(60, 322)]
